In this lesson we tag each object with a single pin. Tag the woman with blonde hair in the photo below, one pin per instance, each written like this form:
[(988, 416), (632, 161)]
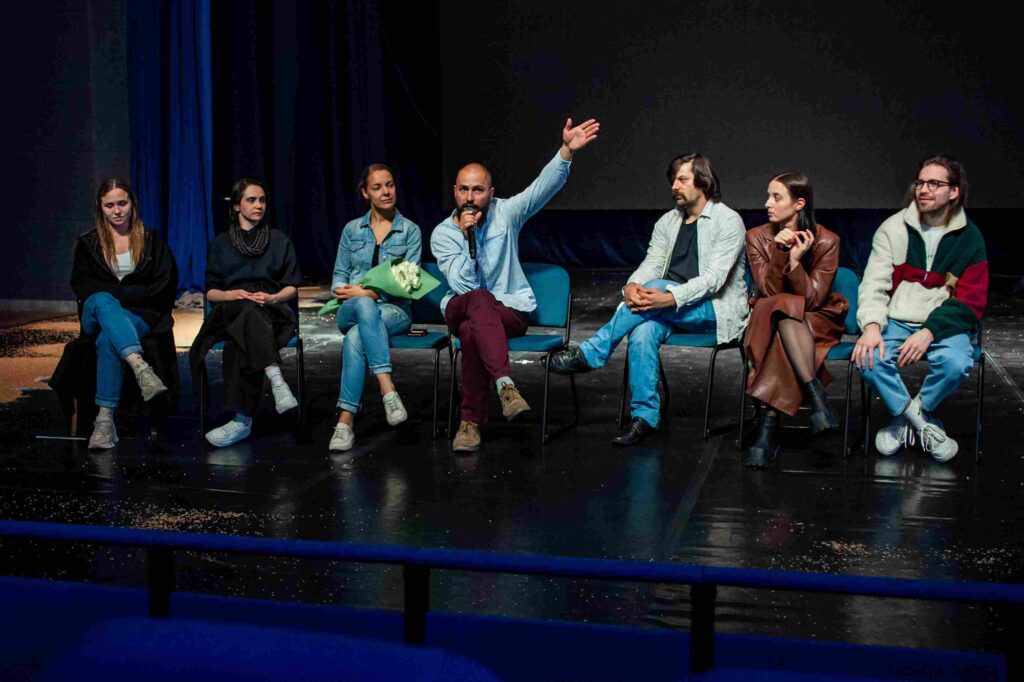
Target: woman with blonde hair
[(125, 279)]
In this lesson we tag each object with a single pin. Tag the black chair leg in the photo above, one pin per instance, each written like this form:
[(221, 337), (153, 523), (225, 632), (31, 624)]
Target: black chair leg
[(664, 387), (451, 394), (300, 385), (708, 391), (622, 398), (846, 418), (743, 399), (866, 406), (204, 398), (544, 408), (437, 374), (981, 401)]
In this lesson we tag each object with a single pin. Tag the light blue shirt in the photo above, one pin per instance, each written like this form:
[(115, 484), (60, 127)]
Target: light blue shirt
[(355, 248), (497, 267)]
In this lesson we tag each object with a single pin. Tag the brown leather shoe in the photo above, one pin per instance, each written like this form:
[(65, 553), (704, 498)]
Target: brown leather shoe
[(512, 404), (467, 439)]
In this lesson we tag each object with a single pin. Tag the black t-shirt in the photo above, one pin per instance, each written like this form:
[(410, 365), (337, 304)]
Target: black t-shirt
[(227, 268), (683, 265)]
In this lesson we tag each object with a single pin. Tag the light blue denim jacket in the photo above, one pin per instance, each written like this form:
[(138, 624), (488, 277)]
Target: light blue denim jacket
[(497, 267), (355, 250)]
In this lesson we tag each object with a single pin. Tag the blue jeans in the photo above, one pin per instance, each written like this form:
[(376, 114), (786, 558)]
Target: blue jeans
[(647, 331), (950, 362), (367, 326), (117, 332)]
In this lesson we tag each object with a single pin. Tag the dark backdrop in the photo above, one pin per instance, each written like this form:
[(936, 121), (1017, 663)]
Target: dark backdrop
[(307, 94), (851, 93)]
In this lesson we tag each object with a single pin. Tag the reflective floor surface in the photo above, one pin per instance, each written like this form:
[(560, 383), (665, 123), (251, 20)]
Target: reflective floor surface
[(675, 498)]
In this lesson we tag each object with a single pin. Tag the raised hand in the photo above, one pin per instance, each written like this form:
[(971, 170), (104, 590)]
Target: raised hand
[(578, 137)]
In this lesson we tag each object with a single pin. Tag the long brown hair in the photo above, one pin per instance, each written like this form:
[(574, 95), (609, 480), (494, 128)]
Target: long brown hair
[(136, 231)]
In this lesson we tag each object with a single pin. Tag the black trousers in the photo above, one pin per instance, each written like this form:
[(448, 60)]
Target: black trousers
[(252, 335)]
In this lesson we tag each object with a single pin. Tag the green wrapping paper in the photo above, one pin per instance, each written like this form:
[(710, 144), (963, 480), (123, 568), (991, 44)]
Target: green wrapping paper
[(382, 279)]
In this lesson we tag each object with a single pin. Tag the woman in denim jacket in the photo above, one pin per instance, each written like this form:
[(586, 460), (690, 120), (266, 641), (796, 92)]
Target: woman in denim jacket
[(365, 317)]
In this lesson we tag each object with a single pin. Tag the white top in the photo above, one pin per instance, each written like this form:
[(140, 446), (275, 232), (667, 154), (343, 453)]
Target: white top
[(125, 265), (931, 236)]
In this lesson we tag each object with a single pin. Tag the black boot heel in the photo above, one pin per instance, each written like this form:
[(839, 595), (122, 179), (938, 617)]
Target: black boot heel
[(824, 421), (765, 450)]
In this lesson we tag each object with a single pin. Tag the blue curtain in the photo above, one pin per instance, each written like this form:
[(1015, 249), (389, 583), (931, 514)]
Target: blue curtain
[(172, 125), (147, 109), (190, 137)]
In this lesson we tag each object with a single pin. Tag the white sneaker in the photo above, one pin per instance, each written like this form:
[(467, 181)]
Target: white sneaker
[(936, 443), (283, 398), (342, 439), (229, 434), (104, 435), (394, 410), (897, 435)]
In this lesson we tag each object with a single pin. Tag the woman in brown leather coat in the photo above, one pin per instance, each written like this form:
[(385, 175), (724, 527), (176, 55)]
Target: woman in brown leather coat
[(796, 316)]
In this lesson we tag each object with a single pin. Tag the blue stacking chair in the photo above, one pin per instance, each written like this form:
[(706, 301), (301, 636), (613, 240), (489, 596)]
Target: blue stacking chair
[(427, 310), (553, 291), (846, 284), (300, 370), (693, 340)]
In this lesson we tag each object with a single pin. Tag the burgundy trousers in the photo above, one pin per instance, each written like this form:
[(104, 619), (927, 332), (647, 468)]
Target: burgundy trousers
[(483, 326)]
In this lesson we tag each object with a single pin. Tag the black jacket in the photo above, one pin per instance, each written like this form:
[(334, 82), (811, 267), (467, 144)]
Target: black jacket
[(149, 291)]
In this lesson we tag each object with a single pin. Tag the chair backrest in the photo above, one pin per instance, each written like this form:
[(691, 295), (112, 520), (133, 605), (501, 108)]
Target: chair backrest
[(846, 283), (427, 310), (551, 287)]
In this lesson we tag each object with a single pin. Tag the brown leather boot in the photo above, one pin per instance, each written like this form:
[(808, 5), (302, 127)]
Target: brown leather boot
[(467, 439), (512, 404)]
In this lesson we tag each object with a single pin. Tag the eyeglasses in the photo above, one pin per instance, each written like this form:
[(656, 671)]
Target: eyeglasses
[(932, 184)]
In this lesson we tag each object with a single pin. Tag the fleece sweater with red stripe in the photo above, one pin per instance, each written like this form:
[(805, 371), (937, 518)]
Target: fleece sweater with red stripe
[(948, 297)]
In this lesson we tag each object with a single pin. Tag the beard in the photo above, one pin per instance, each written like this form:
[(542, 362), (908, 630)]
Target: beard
[(469, 205)]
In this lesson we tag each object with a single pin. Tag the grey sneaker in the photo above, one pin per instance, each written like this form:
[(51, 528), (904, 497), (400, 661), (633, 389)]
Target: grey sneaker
[(394, 410), (897, 435), (229, 434), (104, 435), (283, 398), (149, 383), (342, 439), (937, 443)]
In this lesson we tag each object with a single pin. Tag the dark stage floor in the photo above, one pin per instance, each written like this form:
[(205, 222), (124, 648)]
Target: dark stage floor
[(676, 498)]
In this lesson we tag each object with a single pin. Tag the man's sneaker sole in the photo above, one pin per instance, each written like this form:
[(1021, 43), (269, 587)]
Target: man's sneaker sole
[(285, 405)]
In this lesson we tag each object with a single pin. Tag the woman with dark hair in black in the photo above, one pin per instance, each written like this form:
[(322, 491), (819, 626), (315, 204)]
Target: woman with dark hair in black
[(251, 278)]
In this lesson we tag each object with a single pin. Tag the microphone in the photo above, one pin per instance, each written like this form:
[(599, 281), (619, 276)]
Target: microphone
[(471, 232)]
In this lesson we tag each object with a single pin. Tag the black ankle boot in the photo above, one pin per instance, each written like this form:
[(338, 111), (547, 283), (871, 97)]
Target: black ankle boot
[(765, 450), (823, 417)]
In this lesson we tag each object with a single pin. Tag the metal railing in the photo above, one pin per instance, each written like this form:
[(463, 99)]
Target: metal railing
[(417, 564)]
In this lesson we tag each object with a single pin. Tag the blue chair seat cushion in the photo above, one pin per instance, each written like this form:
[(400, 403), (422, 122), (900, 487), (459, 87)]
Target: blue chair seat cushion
[(292, 343), (428, 341), (532, 343), (841, 351), (692, 340)]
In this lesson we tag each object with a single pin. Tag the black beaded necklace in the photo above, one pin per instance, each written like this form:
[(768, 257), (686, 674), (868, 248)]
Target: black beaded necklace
[(252, 243)]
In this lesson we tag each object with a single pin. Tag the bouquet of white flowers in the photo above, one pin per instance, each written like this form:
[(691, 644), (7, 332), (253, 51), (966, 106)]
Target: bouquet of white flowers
[(398, 278), (407, 275)]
